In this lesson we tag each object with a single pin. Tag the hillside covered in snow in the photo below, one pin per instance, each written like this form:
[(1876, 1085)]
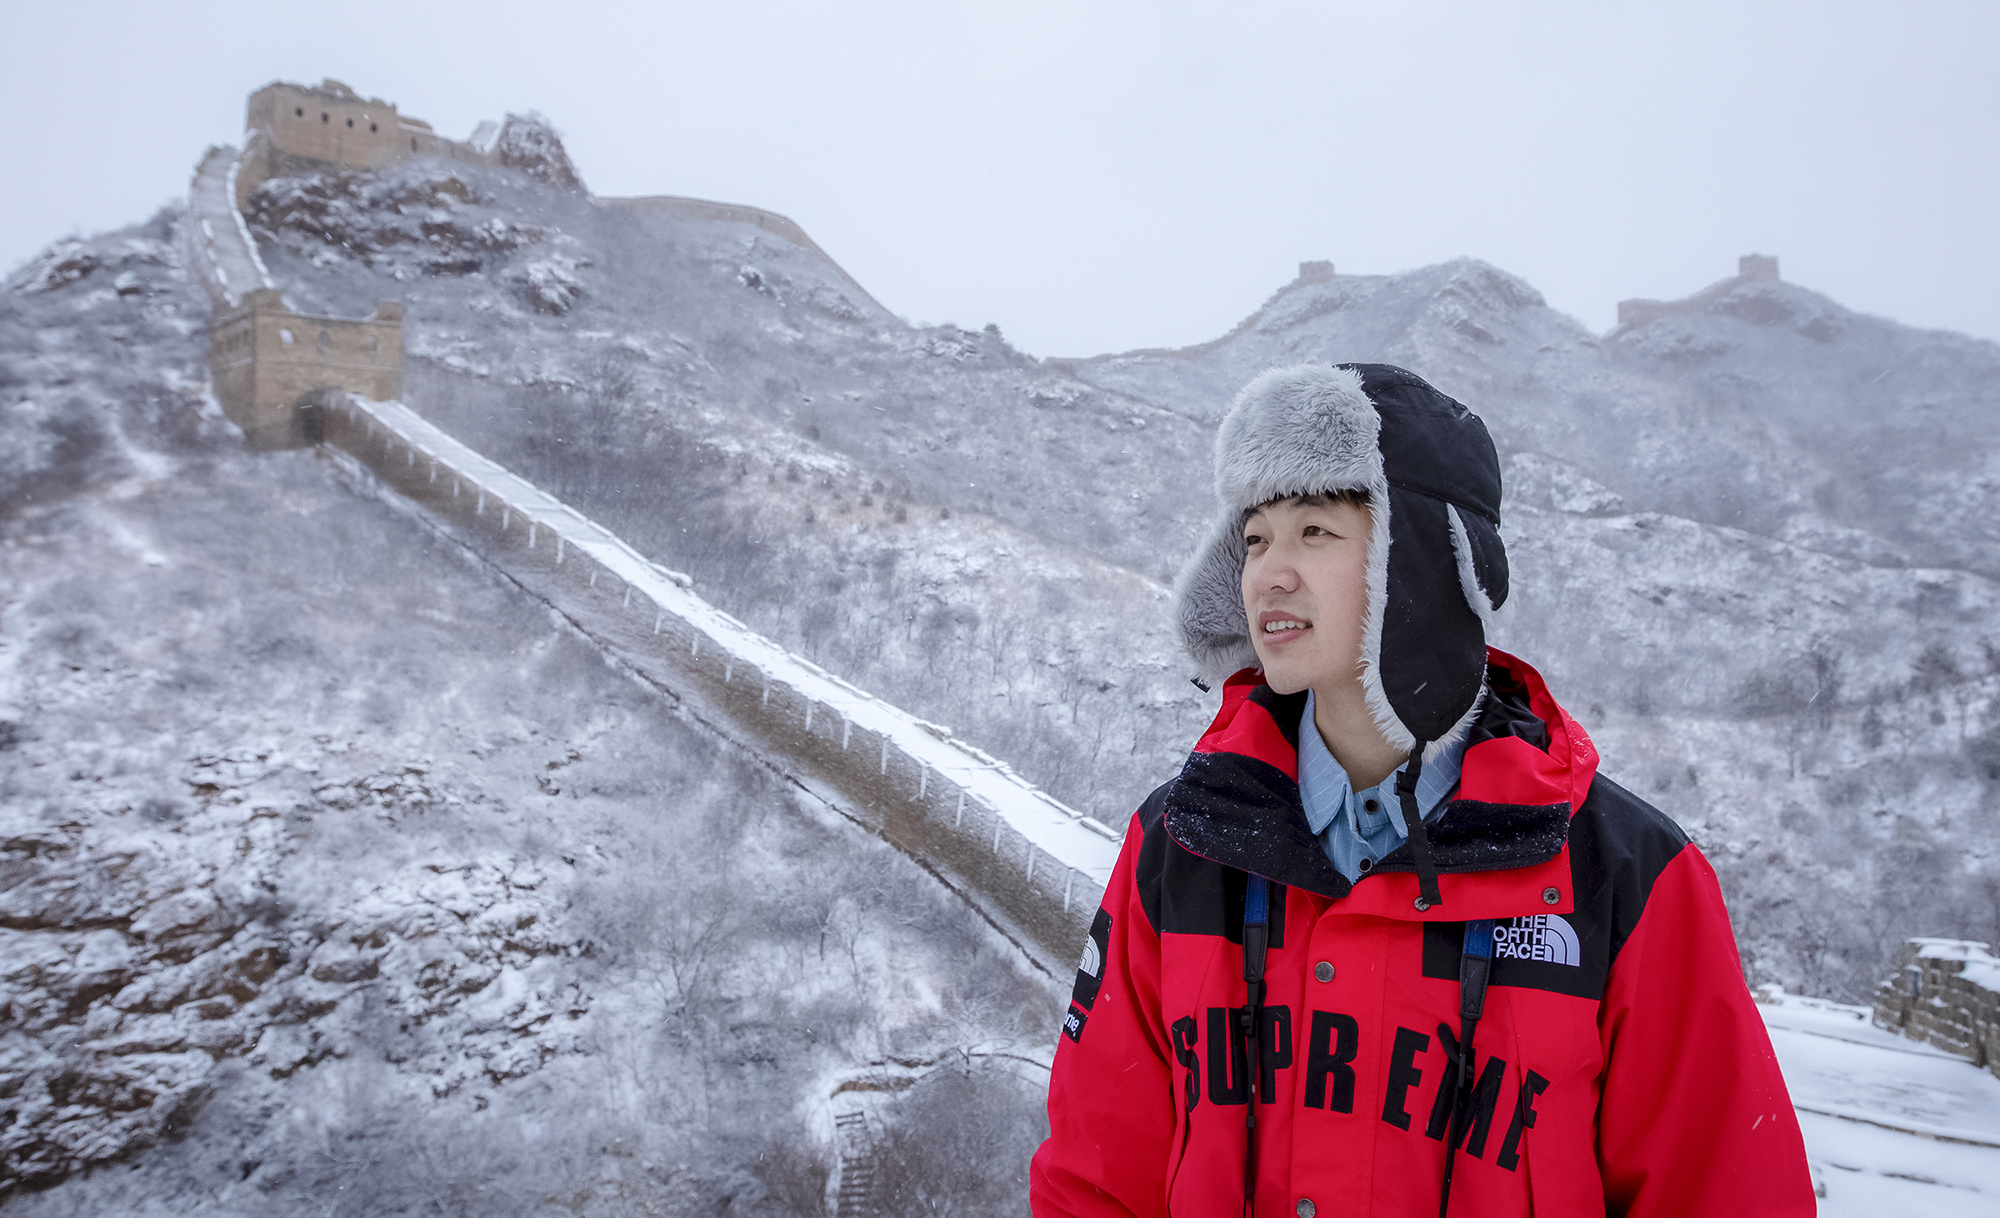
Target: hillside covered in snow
[(339, 876)]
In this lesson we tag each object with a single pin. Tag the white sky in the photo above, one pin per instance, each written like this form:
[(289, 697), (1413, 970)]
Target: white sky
[(1100, 176)]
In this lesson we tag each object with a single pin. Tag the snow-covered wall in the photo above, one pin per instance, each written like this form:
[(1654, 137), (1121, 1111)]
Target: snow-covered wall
[(1034, 865), (1946, 992), (220, 252)]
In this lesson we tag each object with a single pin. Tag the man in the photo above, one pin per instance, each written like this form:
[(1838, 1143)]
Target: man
[(1389, 944)]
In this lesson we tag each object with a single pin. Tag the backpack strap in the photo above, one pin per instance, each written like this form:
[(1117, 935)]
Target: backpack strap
[(1250, 1020), (1475, 966)]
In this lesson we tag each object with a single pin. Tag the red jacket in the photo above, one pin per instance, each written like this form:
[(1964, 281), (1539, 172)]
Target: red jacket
[(1620, 1065)]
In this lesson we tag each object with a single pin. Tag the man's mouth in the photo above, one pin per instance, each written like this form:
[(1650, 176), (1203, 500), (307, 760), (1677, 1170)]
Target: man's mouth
[(1279, 626)]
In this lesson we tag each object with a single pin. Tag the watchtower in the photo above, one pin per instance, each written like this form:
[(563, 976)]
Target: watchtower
[(267, 363), (306, 128)]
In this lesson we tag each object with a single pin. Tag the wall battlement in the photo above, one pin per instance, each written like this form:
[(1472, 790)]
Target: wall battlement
[(1034, 866), (1945, 992)]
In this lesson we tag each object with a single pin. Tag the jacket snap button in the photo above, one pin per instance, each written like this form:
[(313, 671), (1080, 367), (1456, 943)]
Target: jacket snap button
[(1323, 970), (1550, 896), (1305, 1207), (1422, 904)]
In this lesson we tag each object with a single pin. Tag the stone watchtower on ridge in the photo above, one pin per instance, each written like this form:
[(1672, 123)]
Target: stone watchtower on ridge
[(269, 364), (328, 128)]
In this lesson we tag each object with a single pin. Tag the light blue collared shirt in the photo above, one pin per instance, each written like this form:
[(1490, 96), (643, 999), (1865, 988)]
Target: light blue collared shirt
[(1356, 828)]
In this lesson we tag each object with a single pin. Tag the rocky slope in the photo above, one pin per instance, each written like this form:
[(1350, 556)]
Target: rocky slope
[(336, 875)]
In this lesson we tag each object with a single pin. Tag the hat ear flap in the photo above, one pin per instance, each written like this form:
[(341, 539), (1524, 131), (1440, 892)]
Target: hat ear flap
[(1482, 562), (1208, 605), (1432, 658)]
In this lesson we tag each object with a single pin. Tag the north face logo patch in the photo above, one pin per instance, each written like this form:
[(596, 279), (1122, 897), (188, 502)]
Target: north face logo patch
[(1545, 937), (1089, 976)]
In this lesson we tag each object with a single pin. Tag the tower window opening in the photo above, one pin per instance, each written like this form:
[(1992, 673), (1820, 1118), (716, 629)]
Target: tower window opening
[(324, 117), (350, 122), (413, 143), (299, 111), (373, 126), (325, 341)]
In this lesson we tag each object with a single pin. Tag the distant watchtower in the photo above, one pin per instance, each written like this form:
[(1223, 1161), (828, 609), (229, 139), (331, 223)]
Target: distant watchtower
[(304, 129), (1757, 268), (1750, 268), (268, 364)]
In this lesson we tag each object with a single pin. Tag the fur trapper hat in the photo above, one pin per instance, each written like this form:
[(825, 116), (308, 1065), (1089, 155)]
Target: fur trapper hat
[(1436, 567)]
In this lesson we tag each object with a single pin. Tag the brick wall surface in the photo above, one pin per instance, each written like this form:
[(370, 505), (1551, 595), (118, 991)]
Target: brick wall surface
[(1945, 992)]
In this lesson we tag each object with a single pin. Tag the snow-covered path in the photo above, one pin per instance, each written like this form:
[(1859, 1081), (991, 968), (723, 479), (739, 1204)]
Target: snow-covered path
[(225, 259), (1892, 1126)]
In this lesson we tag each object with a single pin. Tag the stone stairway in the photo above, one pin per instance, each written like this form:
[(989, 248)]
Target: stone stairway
[(856, 1197)]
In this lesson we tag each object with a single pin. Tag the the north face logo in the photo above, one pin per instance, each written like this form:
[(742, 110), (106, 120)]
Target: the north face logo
[(1545, 937)]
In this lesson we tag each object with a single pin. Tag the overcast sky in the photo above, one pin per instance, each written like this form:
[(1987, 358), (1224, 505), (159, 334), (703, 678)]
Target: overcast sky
[(1101, 176)]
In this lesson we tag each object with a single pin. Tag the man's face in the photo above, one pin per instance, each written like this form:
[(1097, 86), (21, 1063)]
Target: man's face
[(1305, 589)]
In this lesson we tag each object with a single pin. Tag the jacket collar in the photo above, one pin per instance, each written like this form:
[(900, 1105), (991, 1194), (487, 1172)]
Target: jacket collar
[(1500, 844)]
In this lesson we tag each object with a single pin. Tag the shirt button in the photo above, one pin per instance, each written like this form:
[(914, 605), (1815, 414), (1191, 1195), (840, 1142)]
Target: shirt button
[(1323, 970), (1367, 864), (1371, 805), (1306, 1208)]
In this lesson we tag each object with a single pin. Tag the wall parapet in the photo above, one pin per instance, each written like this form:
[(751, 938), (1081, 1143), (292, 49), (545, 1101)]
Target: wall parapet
[(1945, 992), (1036, 866)]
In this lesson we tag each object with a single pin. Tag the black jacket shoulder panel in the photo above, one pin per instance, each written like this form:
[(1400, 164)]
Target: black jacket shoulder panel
[(1183, 893), (1152, 862), (1619, 844)]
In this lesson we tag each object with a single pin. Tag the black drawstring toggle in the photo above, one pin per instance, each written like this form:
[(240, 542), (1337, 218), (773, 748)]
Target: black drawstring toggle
[(1420, 841)]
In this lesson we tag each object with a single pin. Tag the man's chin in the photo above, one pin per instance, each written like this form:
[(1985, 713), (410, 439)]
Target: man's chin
[(1284, 679)]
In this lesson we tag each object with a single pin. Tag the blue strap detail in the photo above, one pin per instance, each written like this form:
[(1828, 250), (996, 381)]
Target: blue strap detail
[(1257, 906), (1479, 938)]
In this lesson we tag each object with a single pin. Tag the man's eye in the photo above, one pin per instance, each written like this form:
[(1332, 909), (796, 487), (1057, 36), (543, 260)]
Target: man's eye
[(1251, 539), (1313, 530)]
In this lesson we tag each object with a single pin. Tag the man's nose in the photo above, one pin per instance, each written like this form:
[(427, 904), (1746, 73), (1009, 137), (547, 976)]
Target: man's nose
[(1278, 574)]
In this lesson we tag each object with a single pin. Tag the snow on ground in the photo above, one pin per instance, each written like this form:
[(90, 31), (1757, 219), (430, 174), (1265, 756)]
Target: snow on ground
[(1877, 1110)]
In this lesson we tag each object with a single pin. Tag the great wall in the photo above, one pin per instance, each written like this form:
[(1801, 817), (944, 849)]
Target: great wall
[(1032, 865)]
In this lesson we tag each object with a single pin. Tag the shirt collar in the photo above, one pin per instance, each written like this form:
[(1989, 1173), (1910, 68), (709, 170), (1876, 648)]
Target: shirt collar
[(1326, 793)]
